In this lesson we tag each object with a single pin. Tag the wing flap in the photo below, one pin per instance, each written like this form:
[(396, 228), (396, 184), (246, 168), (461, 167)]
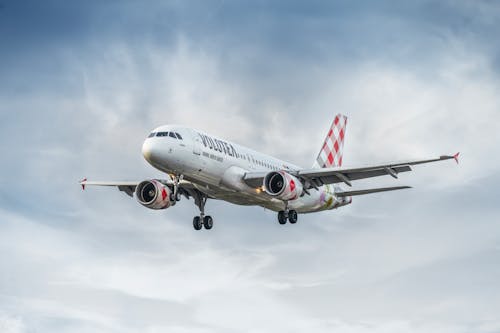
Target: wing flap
[(370, 191)]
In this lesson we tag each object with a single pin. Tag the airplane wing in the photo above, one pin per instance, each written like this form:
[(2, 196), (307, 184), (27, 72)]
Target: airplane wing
[(129, 186), (313, 178)]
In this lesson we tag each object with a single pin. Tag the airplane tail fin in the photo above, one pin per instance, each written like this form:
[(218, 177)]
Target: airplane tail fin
[(330, 154)]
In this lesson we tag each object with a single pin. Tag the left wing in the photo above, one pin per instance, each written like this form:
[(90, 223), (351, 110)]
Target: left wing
[(313, 178), (129, 186), (125, 186)]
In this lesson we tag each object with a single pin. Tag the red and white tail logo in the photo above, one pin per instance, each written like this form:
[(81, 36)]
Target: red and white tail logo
[(331, 152)]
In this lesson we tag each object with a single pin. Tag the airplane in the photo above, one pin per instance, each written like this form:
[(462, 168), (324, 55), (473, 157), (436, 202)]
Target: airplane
[(202, 167)]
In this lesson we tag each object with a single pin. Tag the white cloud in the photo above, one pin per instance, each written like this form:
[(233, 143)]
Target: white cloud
[(420, 261), (10, 324)]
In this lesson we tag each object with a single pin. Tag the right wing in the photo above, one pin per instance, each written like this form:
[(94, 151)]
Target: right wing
[(317, 177), (314, 178)]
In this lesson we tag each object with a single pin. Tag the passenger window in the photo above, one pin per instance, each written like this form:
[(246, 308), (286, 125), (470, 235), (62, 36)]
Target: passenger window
[(172, 135), (178, 136)]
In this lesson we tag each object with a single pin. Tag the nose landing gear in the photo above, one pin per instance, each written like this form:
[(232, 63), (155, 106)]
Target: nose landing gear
[(202, 220), (175, 196), (200, 200)]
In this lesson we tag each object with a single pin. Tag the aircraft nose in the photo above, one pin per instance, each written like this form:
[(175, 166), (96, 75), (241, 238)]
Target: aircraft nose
[(147, 150)]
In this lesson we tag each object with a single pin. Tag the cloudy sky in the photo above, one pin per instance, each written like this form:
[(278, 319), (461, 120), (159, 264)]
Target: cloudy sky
[(82, 84)]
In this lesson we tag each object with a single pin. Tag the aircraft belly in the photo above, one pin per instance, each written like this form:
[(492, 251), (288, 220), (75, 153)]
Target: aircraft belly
[(308, 203), (238, 198), (209, 181)]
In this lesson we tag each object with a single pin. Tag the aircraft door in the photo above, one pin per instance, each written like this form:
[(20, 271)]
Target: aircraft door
[(197, 145), (199, 161)]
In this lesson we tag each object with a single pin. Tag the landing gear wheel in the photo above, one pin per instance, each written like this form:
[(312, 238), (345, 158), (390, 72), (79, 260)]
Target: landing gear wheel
[(202, 220), (208, 222), (292, 216), (282, 217), (197, 223)]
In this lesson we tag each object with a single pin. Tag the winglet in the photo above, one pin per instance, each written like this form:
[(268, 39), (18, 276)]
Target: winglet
[(455, 157), (83, 182)]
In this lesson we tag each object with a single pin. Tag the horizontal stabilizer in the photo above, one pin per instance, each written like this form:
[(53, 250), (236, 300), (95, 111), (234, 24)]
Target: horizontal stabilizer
[(369, 191)]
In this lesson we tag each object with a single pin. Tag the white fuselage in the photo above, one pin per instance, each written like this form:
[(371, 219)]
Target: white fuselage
[(216, 167)]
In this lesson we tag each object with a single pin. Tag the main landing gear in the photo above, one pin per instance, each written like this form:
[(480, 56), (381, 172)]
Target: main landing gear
[(287, 214), (202, 220), (205, 221)]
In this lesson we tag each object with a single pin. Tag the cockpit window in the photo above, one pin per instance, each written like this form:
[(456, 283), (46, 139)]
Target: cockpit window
[(151, 134), (170, 134)]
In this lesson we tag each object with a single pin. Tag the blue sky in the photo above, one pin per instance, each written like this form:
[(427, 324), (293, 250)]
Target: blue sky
[(83, 83)]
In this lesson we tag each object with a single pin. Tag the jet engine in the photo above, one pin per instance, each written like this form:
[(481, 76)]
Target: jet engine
[(153, 194), (282, 185)]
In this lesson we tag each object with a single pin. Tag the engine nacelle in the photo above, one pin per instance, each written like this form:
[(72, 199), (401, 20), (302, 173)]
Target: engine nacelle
[(282, 185), (153, 194)]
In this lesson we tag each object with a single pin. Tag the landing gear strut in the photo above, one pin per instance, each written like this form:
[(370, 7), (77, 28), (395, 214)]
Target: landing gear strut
[(287, 214), (176, 195), (202, 220)]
